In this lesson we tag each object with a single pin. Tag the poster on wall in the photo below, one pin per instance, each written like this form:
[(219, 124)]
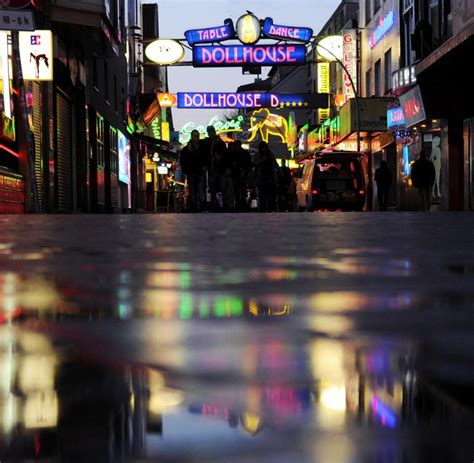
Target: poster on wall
[(36, 52)]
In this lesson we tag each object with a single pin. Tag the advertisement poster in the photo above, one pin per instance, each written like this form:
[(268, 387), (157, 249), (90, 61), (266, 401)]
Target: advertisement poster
[(36, 51)]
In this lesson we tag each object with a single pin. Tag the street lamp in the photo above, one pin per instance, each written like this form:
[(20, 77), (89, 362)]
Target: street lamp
[(334, 58)]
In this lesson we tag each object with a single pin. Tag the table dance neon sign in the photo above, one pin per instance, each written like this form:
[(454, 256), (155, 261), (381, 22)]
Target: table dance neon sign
[(242, 55)]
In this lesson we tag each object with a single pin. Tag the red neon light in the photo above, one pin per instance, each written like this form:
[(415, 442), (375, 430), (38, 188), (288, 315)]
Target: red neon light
[(314, 192), (8, 150), (11, 315), (362, 192)]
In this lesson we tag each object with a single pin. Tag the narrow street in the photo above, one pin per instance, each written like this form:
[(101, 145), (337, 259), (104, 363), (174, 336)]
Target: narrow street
[(331, 337)]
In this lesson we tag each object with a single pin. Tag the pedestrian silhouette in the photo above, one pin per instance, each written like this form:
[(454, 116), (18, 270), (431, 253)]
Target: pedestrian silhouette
[(383, 179), (423, 176)]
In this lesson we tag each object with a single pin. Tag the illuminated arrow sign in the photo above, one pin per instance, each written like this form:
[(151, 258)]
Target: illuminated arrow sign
[(212, 34), (203, 100), (242, 55), (302, 34)]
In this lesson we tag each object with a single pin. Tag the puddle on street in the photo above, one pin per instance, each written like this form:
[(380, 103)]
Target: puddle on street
[(169, 371)]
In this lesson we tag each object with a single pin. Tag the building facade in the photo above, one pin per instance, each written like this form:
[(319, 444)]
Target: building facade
[(85, 155)]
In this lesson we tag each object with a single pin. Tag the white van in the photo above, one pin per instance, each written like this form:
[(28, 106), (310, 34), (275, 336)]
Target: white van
[(333, 180)]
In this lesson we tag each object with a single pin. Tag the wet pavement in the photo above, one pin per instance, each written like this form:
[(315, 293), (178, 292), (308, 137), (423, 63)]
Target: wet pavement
[(327, 337)]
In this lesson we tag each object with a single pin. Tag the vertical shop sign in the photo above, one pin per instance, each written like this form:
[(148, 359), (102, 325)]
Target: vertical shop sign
[(349, 59)]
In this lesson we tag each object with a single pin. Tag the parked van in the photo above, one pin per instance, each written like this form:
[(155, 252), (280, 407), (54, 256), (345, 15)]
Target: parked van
[(333, 180)]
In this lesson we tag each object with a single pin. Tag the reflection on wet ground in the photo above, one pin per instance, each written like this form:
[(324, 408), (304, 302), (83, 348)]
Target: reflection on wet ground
[(180, 350)]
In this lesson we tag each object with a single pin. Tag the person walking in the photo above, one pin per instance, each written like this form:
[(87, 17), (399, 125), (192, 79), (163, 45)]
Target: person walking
[(218, 163), (241, 167), (193, 165), (383, 179), (423, 176), (267, 169), (284, 183)]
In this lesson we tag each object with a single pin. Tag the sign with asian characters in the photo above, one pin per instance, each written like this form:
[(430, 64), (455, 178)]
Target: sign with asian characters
[(211, 34), (252, 100), (301, 34), (13, 20), (243, 55)]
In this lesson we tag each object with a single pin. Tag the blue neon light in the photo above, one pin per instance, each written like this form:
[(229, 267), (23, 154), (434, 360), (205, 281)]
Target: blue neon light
[(211, 34), (385, 415), (406, 160), (382, 29), (302, 34), (395, 117), (221, 100), (242, 55)]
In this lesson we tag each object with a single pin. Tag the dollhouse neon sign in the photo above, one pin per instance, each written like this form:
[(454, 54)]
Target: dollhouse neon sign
[(241, 55)]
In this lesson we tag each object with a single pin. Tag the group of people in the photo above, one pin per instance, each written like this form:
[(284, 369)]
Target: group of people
[(220, 177), (423, 176)]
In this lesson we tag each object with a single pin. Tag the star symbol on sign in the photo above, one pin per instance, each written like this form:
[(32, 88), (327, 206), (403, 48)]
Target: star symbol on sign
[(293, 104), (300, 104), (288, 103), (306, 104)]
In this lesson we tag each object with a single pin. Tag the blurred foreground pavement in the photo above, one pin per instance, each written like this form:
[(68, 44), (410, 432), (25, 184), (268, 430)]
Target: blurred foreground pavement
[(327, 337)]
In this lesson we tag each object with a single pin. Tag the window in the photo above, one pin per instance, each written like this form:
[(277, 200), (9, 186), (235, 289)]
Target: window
[(368, 13), (99, 127), (113, 151), (388, 71), (377, 79), (368, 84)]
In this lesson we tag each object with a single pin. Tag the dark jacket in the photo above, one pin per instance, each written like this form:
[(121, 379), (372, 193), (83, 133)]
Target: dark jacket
[(217, 159), (423, 173), (383, 177), (267, 169), (192, 159)]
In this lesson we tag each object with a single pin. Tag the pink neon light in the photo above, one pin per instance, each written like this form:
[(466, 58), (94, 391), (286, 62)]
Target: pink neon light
[(8, 150)]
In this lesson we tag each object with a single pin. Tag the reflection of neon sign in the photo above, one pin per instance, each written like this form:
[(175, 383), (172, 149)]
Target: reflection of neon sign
[(198, 100), (212, 34), (382, 29), (273, 31), (241, 55), (384, 414), (234, 125)]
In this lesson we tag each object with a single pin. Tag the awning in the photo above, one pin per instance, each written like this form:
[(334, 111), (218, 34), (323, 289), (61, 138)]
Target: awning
[(161, 146)]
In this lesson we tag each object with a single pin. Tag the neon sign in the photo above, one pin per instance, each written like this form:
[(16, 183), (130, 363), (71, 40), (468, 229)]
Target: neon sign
[(412, 105), (265, 123), (349, 60), (164, 51), (395, 117), (241, 55), (382, 29), (212, 34), (302, 34), (248, 29), (202, 100), (233, 125)]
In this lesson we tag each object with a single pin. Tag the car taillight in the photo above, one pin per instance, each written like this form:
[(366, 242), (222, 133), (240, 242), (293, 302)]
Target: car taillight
[(362, 192), (314, 192)]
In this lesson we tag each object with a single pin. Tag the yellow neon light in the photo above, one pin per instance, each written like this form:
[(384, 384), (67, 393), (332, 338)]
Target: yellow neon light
[(268, 124)]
